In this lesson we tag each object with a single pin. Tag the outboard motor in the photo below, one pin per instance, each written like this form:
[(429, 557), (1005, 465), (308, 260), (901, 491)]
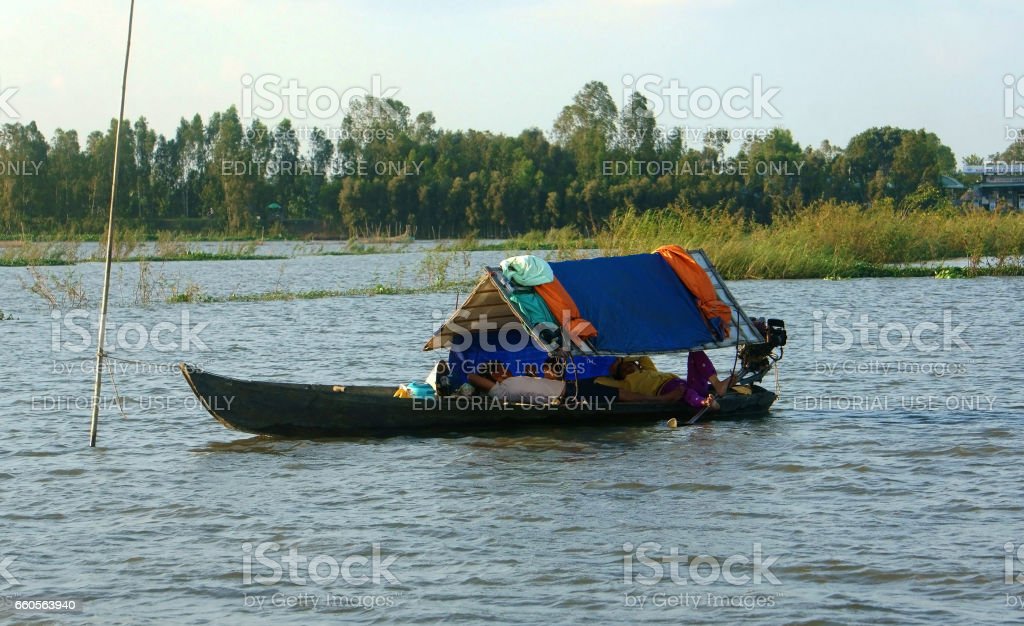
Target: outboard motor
[(758, 358)]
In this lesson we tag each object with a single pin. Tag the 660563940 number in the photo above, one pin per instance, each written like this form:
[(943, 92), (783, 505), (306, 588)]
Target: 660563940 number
[(47, 605)]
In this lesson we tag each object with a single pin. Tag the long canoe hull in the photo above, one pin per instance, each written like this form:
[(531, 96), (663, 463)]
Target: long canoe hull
[(312, 411)]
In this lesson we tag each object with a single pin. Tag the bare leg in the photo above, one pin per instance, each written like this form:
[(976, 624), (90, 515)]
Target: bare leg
[(721, 386)]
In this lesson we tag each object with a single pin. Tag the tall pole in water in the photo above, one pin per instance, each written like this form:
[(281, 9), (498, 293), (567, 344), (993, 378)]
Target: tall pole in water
[(101, 334)]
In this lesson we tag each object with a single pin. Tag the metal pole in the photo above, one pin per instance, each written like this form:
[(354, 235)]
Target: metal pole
[(101, 334)]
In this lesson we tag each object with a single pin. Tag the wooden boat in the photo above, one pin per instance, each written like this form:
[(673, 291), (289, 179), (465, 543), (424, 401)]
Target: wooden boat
[(297, 410), (642, 304)]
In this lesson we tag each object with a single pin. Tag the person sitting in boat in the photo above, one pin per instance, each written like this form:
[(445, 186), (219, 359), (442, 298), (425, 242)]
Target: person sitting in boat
[(642, 376)]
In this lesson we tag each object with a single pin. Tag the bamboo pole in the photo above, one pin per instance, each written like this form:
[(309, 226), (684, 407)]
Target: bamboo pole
[(102, 332)]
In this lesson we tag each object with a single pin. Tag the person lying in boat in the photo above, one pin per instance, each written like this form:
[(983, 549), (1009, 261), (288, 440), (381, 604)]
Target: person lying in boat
[(592, 390), (494, 378), (642, 376)]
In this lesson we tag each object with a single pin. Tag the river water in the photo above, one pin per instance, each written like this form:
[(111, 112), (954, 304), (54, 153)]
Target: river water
[(885, 487)]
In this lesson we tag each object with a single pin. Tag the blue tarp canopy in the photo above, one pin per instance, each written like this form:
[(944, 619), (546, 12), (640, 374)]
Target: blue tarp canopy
[(637, 303)]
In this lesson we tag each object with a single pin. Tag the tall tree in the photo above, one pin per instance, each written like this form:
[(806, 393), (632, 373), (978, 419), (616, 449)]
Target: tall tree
[(587, 127), (66, 166), (234, 171), (637, 128), (193, 159), (166, 177), (145, 145), (920, 159)]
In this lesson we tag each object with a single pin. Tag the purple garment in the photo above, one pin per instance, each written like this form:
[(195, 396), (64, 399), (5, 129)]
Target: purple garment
[(699, 370)]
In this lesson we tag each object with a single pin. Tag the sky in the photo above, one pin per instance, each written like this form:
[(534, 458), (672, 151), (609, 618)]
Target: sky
[(823, 69)]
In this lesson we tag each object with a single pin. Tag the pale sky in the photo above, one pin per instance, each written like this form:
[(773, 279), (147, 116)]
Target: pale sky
[(838, 67)]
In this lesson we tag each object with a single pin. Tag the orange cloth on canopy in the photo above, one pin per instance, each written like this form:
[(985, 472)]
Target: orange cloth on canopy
[(699, 284), (564, 309)]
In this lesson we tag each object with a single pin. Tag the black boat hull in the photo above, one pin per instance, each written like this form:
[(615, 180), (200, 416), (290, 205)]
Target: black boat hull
[(311, 411)]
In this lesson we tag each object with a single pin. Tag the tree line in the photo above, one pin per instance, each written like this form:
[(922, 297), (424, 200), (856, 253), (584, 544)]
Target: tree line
[(383, 166)]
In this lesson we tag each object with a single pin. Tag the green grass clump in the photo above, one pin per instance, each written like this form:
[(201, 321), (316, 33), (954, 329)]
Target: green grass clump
[(356, 247), (826, 239), (566, 241), (950, 272)]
